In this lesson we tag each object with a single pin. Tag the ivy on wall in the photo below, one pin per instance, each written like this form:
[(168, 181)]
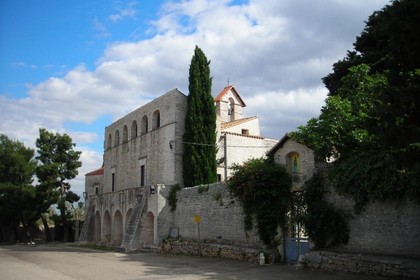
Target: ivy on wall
[(263, 189), (326, 225), (172, 200)]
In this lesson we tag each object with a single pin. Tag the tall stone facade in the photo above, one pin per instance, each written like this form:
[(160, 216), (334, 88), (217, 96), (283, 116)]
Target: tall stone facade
[(126, 199)]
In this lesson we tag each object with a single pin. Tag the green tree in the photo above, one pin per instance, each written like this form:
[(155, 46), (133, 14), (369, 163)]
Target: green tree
[(58, 163), (199, 158), (263, 189), (17, 166), (369, 124)]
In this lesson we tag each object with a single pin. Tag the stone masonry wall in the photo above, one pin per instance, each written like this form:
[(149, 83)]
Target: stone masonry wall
[(221, 218), (365, 264), (221, 231), (384, 240), (388, 228)]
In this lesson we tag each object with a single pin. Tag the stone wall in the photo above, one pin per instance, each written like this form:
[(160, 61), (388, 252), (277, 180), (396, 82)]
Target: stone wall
[(386, 228), (384, 240), (221, 228), (360, 263), (194, 248), (221, 216)]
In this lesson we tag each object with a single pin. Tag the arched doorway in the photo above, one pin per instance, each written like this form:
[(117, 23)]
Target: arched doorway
[(117, 229), (97, 227), (149, 230), (107, 228)]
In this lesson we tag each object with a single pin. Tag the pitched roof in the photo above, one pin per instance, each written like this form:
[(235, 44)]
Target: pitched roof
[(99, 171), (225, 125), (219, 97), (279, 144), (243, 135)]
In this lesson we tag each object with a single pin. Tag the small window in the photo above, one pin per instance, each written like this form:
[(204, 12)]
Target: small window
[(96, 190), (109, 144), (113, 182), (144, 125), (117, 138), (142, 175), (245, 132), (156, 119), (134, 130), (125, 134)]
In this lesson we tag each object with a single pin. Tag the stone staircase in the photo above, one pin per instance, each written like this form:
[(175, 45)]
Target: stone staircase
[(134, 226), (87, 226)]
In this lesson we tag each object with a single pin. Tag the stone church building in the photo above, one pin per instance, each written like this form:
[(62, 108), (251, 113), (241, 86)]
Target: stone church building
[(143, 157)]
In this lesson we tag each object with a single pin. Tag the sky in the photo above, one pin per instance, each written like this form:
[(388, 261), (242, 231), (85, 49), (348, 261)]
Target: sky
[(76, 66)]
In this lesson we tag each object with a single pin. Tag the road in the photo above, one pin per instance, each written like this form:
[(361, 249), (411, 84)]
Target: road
[(64, 262)]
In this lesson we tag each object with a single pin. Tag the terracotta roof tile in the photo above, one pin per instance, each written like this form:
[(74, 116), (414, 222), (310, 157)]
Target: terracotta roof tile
[(243, 135), (96, 172), (226, 125), (225, 90)]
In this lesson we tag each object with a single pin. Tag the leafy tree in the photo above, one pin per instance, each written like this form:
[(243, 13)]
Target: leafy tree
[(263, 189), (369, 124), (199, 158), (326, 225), (17, 166), (58, 164)]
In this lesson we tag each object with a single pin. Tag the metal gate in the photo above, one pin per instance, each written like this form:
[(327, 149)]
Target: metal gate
[(294, 247), (296, 243)]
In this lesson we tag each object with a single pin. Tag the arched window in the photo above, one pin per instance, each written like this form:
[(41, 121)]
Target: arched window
[(156, 119), (293, 163), (125, 134), (109, 143), (144, 125), (231, 109), (117, 138), (134, 130)]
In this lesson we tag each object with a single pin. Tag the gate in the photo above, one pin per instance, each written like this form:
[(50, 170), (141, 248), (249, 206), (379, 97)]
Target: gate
[(295, 247), (295, 241)]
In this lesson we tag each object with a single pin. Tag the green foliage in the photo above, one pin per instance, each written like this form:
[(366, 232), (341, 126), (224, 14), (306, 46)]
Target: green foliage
[(199, 157), (58, 163), (172, 200), (17, 167), (202, 188), (325, 224), (369, 124), (219, 198), (263, 189), (345, 118)]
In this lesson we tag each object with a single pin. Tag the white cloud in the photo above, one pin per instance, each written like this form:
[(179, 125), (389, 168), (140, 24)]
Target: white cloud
[(123, 13), (100, 29)]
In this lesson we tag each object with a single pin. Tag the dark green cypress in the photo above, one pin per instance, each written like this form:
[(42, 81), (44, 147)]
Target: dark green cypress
[(199, 159)]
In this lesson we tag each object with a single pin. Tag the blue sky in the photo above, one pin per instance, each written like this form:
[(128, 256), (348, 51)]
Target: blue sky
[(76, 66), (40, 39)]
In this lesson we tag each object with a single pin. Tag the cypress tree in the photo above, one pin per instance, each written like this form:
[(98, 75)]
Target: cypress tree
[(199, 158)]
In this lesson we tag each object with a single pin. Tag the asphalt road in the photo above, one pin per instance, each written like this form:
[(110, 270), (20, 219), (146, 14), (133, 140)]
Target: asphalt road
[(63, 262)]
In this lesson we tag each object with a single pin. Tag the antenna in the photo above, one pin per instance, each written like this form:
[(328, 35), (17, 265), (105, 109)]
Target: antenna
[(228, 81)]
